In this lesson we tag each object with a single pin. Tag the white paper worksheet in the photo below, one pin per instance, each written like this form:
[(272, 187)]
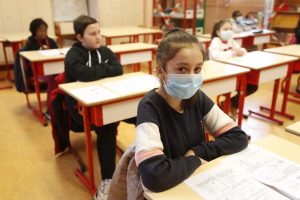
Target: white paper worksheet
[(133, 85), (92, 94), (224, 183), (268, 168)]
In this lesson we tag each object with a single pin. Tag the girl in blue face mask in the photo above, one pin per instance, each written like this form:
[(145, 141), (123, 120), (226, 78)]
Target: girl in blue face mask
[(170, 142)]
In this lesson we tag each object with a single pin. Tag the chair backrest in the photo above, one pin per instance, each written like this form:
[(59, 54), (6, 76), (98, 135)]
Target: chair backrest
[(61, 121), (126, 183)]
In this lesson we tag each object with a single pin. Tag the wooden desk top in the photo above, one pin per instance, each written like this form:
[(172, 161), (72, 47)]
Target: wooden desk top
[(265, 32), (272, 143), (235, 35), (257, 60), (18, 37), (126, 31), (204, 39), (44, 55), (119, 48), (59, 54), (2, 39), (294, 128), (113, 88), (213, 70), (244, 34), (290, 50)]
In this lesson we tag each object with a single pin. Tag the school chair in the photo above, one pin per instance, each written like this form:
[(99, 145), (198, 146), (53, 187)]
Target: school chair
[(24, 79), (62, 124), (126, 182)]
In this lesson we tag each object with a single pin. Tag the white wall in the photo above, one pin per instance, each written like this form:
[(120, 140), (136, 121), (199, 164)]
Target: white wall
[(121, 12), (16, 15)]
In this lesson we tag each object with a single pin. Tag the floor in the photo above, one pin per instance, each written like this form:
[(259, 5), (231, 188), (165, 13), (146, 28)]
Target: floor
[(29, 169)]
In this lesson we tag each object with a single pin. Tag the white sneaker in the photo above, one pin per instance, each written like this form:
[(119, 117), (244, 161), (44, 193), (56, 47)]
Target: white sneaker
[(103, 190)]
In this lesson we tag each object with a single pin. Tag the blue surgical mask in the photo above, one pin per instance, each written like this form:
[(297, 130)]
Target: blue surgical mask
[(226, 35), (239, 19), (183, 86)]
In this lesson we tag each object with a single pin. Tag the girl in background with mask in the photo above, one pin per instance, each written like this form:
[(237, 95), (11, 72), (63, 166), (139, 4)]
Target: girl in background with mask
[(170, 143), (223, 46)]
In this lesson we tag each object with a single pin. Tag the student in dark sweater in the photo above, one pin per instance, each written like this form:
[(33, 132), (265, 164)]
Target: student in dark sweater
[(37, 41), (170, 143), (87, 61)]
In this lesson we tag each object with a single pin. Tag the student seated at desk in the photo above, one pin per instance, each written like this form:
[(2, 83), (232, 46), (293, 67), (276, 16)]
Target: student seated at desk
[(238, 23), (37, 41), (87, 61), (223, 46), (170, 136)]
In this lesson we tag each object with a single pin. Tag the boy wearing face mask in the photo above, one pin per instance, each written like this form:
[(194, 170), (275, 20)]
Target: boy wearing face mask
[(238, 22), (170, 143), (223, 46)]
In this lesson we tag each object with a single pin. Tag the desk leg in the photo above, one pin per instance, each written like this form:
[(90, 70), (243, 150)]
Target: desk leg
[(7, 69), (87, 181), (108, 41), (38, 113), (273, 106), (282, 112), (242, 90), (150, 67), (6, 63), (15, 47)]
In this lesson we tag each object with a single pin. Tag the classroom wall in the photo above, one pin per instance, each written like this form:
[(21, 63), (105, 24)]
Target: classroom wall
[(16, 15), (121, 13)]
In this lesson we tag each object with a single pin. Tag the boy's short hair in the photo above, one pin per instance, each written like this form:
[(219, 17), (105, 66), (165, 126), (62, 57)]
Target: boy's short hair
[(236, 14), (81, 22), (35, 24)]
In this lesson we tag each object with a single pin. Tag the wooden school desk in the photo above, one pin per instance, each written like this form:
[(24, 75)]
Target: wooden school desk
[(63, 30), (127, 31), (259, 38), (15, 40), (265, 67), (220, 78), (43, 62), (135, 53), (294, 128), (53, 63), (290, 50), (240, 38), (8, 76), (105, 101), (182, 191), (250, 38), (205, 41)]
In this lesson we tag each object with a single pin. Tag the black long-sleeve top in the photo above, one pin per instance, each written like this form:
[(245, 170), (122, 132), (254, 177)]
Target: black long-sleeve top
[(164, 136), (82, 64), (33, 44)]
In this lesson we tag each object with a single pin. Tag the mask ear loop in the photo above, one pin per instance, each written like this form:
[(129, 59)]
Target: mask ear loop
[(164, 74)]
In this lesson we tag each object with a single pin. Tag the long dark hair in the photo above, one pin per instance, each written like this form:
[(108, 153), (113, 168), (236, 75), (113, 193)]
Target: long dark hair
[(173, 41), (218, 26)]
